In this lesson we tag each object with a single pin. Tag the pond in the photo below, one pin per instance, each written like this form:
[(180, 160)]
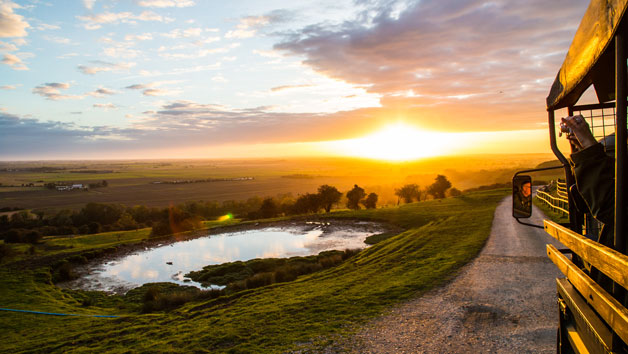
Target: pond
[(170, 263)]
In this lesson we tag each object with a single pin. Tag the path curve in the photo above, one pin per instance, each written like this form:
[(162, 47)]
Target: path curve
[(504, 301)]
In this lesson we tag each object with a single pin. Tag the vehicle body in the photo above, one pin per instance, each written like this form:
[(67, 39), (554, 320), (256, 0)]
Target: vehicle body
[(592, 316)]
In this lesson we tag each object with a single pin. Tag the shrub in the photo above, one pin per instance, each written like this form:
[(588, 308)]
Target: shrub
[(33, 237), (5, 251), (14, 236), (259, 280), (283, 275), (65, 272)]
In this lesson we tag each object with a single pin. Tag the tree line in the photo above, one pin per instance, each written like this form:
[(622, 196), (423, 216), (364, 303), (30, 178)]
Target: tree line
[(437, 190), (29, 227)]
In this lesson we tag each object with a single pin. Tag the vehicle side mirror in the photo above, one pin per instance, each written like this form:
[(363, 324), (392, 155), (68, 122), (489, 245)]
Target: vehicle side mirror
[(521, 197)]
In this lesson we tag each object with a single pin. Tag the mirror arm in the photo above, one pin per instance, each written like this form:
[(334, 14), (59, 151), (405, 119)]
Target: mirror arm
[(527, 224)]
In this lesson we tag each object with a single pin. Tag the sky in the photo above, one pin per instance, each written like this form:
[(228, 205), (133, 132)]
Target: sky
[(111, 79)]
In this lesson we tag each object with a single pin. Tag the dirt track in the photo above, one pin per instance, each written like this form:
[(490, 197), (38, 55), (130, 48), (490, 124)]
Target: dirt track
[(502, 302)]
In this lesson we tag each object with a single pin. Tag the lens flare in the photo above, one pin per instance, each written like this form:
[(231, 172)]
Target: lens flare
[(225, 217)]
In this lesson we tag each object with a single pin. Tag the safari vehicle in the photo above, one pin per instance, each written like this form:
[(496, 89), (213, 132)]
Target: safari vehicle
[(592, 315)]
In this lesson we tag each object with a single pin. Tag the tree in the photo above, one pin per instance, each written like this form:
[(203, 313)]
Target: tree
[(371, 201), (354, 196), (454, 192), (408, 193), (328, 196), (307, 203), (269, 208), (439, 187)]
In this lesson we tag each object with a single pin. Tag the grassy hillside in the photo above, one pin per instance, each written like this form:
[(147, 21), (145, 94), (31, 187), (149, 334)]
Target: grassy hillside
[(439, 237)]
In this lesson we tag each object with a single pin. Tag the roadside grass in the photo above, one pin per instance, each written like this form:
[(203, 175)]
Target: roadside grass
[(306, 314)]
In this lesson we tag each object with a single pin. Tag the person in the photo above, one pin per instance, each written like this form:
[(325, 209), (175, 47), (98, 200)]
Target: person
[(594, 172), (523, 200)]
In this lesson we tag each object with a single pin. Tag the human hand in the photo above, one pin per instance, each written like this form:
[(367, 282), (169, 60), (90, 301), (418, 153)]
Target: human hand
[(580, 129)]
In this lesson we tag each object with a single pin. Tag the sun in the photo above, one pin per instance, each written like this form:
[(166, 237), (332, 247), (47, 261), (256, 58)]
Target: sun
[(396, 142)]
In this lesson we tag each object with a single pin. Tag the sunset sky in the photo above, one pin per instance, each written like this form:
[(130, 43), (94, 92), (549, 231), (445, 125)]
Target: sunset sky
[(190, 78)]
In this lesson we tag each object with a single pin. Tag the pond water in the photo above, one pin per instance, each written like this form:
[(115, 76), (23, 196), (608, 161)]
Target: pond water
[(170, 263)]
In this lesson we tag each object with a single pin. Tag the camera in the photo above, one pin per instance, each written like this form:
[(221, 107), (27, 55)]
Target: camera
[(564, 128)]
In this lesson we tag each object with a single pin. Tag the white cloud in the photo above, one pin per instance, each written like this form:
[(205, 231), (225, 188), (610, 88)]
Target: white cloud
[(105, 106), (104, 66), (248, 26), (96, 21), (7, 47), (138, 37), (11, 24), (52, 91), (183, 33), (59, 40), (219, 78), (198, 54), (8, 87), (68, 55), (121, 51), (14, 62), (166, 3), (89, 4), (46, 27)]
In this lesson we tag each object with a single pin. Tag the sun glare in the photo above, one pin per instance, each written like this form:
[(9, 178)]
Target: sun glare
[(398, 142)]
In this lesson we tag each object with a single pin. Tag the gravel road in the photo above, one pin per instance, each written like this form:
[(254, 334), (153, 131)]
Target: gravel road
[(502, 302)]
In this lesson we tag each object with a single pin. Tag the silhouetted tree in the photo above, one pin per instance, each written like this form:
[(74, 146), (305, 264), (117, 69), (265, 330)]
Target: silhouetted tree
[(371, 201), (307, 203), (269, 208), (454, 192), (408, 193), (354, 196), (439, 187), (328, 196)]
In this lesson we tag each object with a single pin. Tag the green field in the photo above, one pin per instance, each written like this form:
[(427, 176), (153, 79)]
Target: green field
[(306, 314)]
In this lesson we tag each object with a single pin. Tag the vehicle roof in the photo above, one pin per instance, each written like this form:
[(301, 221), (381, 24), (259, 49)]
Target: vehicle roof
[(591, 56)]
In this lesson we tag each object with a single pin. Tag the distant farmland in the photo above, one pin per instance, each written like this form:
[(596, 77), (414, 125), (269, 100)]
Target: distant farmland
[(134, 182)]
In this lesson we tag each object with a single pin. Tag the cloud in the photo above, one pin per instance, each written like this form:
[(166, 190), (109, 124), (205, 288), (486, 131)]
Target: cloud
[(59, 40), (137, 87), (183, 33), (166, 3), (7, 47), (96, 21), (152, 89), (52, 91), (199, 53), (425, 56), (8, 87), (11, 24), (248, 26), (14, 61), (101, 91), (89, 4), (288, 87), (156, 92), (105, 106), (138, 37), (24, 138), (46, 27), (104, 66)]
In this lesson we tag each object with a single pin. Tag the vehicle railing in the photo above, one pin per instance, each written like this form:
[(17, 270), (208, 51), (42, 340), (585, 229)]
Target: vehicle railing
[(606, 260)]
